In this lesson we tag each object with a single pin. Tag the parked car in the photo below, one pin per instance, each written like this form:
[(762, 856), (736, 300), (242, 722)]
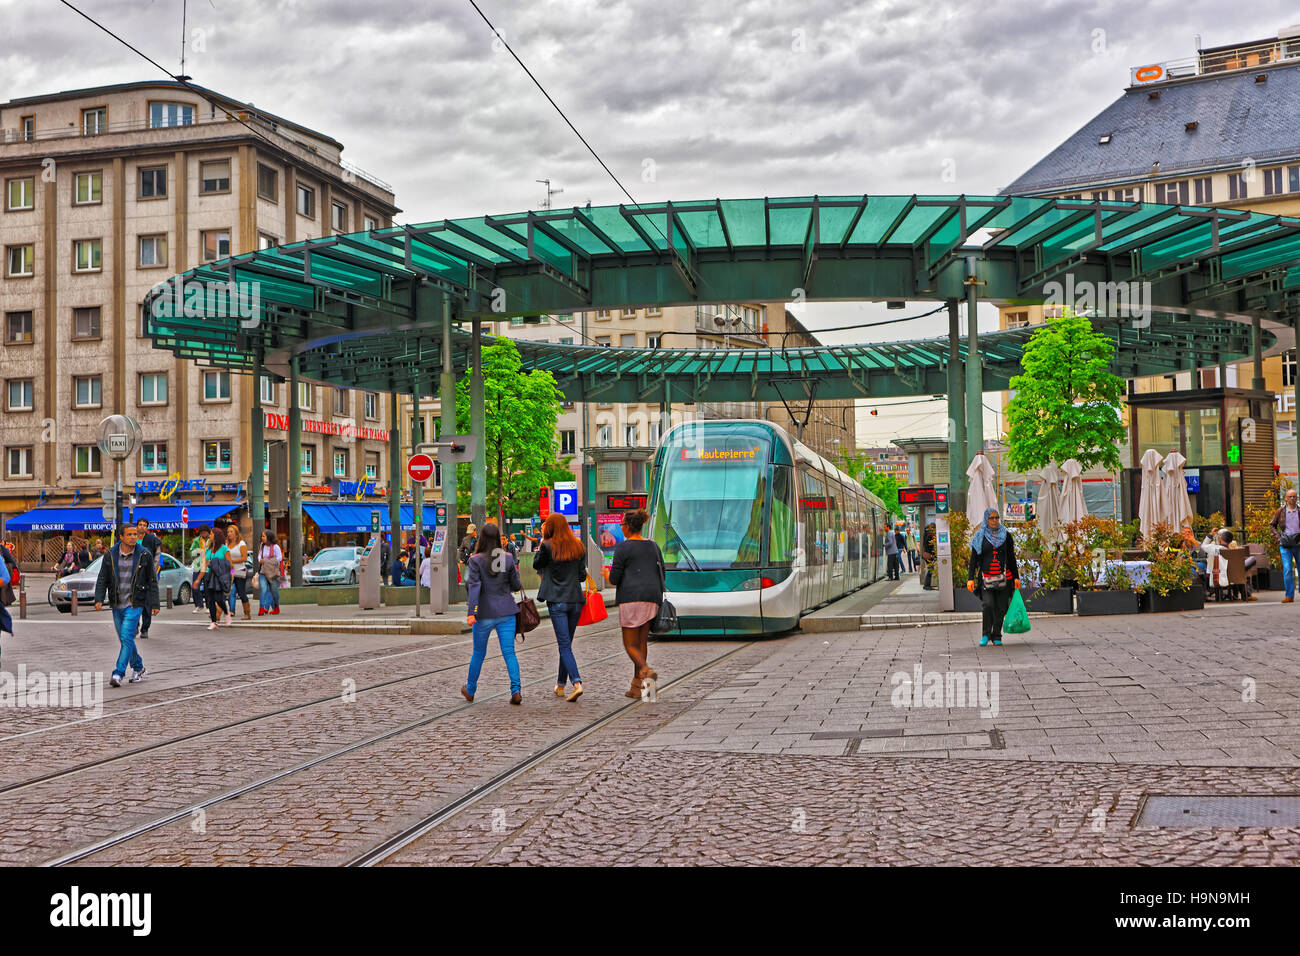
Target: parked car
[(333, 566), (174, 574)]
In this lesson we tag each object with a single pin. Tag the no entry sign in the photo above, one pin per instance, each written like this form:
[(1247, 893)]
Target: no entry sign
[(420, 468), (185, 516)]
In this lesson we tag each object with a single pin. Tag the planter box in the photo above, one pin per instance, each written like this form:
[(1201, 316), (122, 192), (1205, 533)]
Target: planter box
[(963, 600), (1049, 600), (303, 595), (337, 596), (1192, 599), (1088, 603), (1269, 579)]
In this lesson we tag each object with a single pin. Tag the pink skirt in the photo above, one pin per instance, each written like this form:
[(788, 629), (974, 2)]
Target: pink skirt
[(636, 613)]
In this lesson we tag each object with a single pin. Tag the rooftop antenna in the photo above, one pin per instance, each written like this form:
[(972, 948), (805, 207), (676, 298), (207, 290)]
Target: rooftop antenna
[(185, 9), (546, 204)]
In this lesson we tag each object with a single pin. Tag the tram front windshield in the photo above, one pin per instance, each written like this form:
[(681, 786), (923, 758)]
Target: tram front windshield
[(709, 504)]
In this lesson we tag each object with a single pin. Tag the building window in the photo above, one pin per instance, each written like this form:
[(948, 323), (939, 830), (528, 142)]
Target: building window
[(1101, 195), (1130, 194), (153, 388), (627, 340), (87, 255), (86, 459), (153, 182), (28, 126), (1293, 179), (266, 242), (268, 390), (153, 458), (1172, 194), (216, 455), (87, 391), (1273, 182), (94, 121), (628, 314), (268, 183), (652, 340), (372, 406), (215, 244), (1236, 186), (654, 310), (170, 114), (602, 340), (340, 401), (153, 251), (306, 201), (20, 261), (339, 216), (87, 323), (216, 386), (602, 313), (1204, 191), (1017, 320), (340, 463), (306, 396), (1288, 368), (89, 189), (20, 194), (18, 463), (372, 466), (18, 328), (21, 397), (605, 436), (631, 435), (214, 177), (654, 433), (370, 222), (567, 341), (568, 442), (308, 466)]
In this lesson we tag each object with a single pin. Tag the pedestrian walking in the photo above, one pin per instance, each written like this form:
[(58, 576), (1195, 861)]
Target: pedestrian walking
[(199, 565), (561, 560), (912, 562), (6, 591), (153, 544), (637, 572), (928, 556), (128, 581), (467, 544), (891, 555), (492, 578), (900, 541), (269, 559), (1286, 527), (237, 552), (385, 560), (216, 580), (993, 573)]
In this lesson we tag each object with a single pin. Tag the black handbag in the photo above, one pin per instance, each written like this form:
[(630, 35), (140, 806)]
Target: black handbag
[(526, 617), (665, 620)]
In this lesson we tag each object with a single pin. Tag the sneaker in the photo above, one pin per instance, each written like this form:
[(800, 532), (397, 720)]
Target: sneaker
[(212, 626), (984, 639), (137, 676), (115, 681), (997, 642)]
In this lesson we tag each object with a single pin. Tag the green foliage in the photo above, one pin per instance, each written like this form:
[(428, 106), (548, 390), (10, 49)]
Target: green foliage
[(521, 446), (959, 534), (1173, 561), (1067, 402), (1042, 562), (1203, 526)]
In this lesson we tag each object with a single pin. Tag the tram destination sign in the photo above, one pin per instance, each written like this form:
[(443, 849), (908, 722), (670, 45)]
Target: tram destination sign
[(916, 495)]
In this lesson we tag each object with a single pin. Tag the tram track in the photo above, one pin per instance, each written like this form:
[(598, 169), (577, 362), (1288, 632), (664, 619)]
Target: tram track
[(84, 766)]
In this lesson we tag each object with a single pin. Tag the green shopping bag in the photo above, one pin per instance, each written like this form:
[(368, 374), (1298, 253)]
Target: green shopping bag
[(1017, 619)]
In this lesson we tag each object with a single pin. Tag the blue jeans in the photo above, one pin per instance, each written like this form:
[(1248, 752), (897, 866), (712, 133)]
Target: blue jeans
[(127, 622), (564, 618), (269, 595), (505, 628), (1290, 565)]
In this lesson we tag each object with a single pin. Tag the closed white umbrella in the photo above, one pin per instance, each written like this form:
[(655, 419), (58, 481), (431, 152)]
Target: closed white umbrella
[(1073, 507), (979, 494), (1151, 506), (1176, 510), (1048, 511)]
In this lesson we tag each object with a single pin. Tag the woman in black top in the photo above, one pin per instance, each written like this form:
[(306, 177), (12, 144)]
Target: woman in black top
[(562, 562), (637, 572), (993, 573)]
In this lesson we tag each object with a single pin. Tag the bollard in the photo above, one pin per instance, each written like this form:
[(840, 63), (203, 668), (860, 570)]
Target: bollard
[(72, 593), (169, 596), (22, 600)]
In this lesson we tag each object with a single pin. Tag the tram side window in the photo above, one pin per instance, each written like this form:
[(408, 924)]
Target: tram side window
[(782, 536), (835, 527), (814, 518)]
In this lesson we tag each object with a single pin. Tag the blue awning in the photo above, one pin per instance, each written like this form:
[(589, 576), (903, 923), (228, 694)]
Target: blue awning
[(60, 519), (168, 517), (345, 518)]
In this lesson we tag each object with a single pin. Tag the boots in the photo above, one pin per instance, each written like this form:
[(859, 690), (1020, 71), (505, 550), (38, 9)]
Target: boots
[(247, 614)]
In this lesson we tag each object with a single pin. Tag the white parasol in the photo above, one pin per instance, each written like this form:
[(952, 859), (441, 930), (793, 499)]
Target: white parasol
[(1072, 504), (1150, 508), (979, 494), (1176, 507), (1049, 500)]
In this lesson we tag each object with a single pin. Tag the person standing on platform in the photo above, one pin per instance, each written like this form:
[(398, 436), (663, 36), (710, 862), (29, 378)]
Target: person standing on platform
[(1286, 526), (638, 574), (128, 581), (6, 592), (199, 565), (491, 578), (153, 544), (562, 562), (993, 573), (891, 555), (237, 551), (928, 555), (385, 560), (269, 560), (216, 580)]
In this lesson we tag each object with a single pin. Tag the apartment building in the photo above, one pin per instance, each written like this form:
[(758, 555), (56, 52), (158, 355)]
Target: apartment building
[(109, 191)]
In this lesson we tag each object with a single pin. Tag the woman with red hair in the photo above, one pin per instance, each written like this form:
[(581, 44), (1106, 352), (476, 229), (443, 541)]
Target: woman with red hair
[(562, 562)]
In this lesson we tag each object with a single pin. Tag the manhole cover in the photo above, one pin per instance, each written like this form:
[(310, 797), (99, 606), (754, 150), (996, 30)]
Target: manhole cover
[(1200, 811)]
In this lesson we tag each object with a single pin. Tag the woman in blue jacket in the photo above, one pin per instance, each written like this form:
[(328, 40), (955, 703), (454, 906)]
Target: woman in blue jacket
[(491, 577)]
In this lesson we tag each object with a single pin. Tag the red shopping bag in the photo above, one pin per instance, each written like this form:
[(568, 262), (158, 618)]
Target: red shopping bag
[(593, 607)]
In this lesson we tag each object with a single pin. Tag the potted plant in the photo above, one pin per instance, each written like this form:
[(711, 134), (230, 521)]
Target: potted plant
[(1112, 593), (959, 538), (1041, 569), (1171, 583)]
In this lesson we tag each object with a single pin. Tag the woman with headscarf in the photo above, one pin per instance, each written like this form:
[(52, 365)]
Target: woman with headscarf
[(993, 573)]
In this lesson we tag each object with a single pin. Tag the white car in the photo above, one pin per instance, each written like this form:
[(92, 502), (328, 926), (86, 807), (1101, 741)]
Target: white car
[(333, 566)]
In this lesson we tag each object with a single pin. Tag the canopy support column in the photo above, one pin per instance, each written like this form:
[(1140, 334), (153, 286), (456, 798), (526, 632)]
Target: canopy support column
[(974, 372), (294, 457), (447, 397), (478, 469), (956, 432), (256, 498), (1257, 352), (395, 479)]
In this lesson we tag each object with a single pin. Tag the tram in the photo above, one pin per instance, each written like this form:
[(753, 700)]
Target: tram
[(756, 529)]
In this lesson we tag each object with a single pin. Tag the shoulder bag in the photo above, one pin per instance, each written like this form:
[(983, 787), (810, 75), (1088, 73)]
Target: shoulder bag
[(526, 616), (666, 620)]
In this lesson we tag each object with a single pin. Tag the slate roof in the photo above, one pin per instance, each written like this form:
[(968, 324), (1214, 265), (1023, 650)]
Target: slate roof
[(1237, 118)]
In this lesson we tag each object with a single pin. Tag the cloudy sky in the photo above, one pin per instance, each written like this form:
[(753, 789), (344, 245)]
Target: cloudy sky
[(682, 99)]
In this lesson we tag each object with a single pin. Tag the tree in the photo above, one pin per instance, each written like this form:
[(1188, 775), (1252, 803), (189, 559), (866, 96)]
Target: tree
[(883, 486), (1067, 402), (520, 442)]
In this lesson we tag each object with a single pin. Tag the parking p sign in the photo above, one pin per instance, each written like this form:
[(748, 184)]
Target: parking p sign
[(566, 498)]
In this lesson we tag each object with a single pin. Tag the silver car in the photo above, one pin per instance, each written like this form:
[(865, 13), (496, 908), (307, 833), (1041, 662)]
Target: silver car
[(174, 574), (332, 566)]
